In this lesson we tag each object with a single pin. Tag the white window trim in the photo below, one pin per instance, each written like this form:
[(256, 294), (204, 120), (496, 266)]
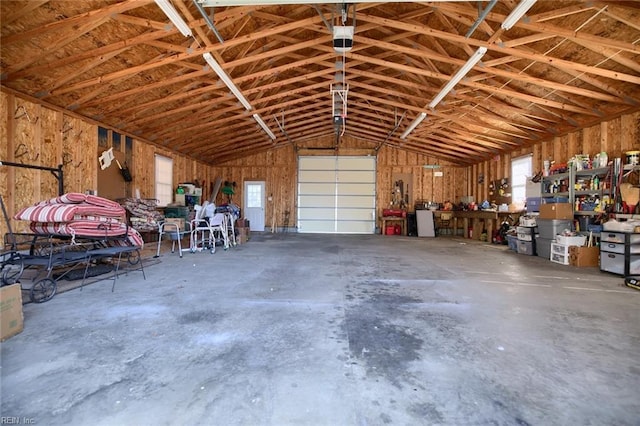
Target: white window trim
[(163, 180), (517, 186)]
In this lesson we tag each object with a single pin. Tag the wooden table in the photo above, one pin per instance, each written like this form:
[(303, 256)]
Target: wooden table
[(394, 219), (474, 220)]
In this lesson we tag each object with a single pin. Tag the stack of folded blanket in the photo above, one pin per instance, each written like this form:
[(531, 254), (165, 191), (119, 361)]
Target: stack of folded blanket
[(80, 215), (143, 213)]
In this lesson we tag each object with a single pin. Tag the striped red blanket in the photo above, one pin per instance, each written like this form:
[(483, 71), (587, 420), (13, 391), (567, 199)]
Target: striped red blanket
[(80, 215), (69, 207)]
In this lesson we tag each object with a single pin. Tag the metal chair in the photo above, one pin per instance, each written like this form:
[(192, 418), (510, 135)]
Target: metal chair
[(175, 233)]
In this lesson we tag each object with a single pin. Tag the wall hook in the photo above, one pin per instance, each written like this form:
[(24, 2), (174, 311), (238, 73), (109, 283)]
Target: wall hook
[(25, 113), (20, 153)]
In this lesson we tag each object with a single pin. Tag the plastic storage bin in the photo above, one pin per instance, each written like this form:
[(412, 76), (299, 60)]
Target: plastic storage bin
[(548, 228), (559, 253), (543, 247), (527, 247)]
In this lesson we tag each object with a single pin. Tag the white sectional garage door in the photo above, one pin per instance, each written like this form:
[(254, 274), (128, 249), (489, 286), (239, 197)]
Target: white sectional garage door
[(336, 195)]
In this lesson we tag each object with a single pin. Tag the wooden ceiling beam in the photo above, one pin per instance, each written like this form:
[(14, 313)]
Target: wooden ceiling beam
[(556, 62), (66, 24), (66, 39), (196, 75)]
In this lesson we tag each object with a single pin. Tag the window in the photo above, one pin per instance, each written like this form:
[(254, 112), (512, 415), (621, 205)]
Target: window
[(164, 180), (520, 171)]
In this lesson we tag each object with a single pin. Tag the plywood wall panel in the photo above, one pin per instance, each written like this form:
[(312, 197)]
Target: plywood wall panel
[(630, 132), (613, 142)]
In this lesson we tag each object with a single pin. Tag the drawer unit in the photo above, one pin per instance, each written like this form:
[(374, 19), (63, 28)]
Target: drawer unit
[(559, 254), (618, 248), (526, 237), (620, 264), (527, 229), (620, 237), (527, 233), (548, 228), (620, 253), (527, 247)]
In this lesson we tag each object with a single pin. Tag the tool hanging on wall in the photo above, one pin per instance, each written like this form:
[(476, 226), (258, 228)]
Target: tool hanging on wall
[(124, 171)]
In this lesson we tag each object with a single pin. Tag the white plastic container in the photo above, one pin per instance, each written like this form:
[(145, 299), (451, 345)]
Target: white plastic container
[(578, 240)]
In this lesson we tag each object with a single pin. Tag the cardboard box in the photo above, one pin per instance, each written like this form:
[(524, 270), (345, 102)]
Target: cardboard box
[(11, 319), (180, 199), (177, 220), (584, 256), (556, 211), (242, 235)]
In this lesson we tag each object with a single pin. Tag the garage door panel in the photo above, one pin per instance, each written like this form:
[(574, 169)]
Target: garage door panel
[(317, 213), (317, 176), (356, 163), (317, 201), (317, 226), (355, 201), (317, 189), (360, 176), (354, 214), (356, 188), (317, 163), (351, 227)]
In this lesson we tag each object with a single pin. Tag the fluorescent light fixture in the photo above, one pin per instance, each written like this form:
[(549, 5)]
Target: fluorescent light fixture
[(226, 80), (174, 17), (517, 13), (473, 60), (264, 126), (413, 125), (431, 166)]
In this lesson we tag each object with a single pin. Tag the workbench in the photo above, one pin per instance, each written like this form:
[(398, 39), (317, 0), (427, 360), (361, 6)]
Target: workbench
[(479, 220), (392, 220)]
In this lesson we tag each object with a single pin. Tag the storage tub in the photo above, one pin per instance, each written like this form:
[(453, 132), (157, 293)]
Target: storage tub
[(577, 240), (543, 247), (512, 241), (548, 228)]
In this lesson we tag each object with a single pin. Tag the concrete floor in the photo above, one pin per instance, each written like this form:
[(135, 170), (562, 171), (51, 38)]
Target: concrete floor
[(334, 330)]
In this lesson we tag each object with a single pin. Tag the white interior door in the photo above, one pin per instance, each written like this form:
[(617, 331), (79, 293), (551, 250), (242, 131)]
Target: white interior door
[(254, 204)]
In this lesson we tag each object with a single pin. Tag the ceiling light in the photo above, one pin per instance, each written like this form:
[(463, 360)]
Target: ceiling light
[(473, 60), (413, 125), (226, 80), (174, 16), (517, 13), (264, 126)]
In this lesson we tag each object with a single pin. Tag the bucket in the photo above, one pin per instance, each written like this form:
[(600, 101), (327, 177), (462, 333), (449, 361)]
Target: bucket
[(633, 157)]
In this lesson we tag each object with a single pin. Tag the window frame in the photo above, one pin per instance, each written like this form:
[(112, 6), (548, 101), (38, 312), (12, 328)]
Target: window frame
[(163, 179), (519, 186)]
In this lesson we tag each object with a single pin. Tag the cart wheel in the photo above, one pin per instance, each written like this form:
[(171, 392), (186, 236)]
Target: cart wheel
[(43, 290), (133, 258), (12, 269)]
